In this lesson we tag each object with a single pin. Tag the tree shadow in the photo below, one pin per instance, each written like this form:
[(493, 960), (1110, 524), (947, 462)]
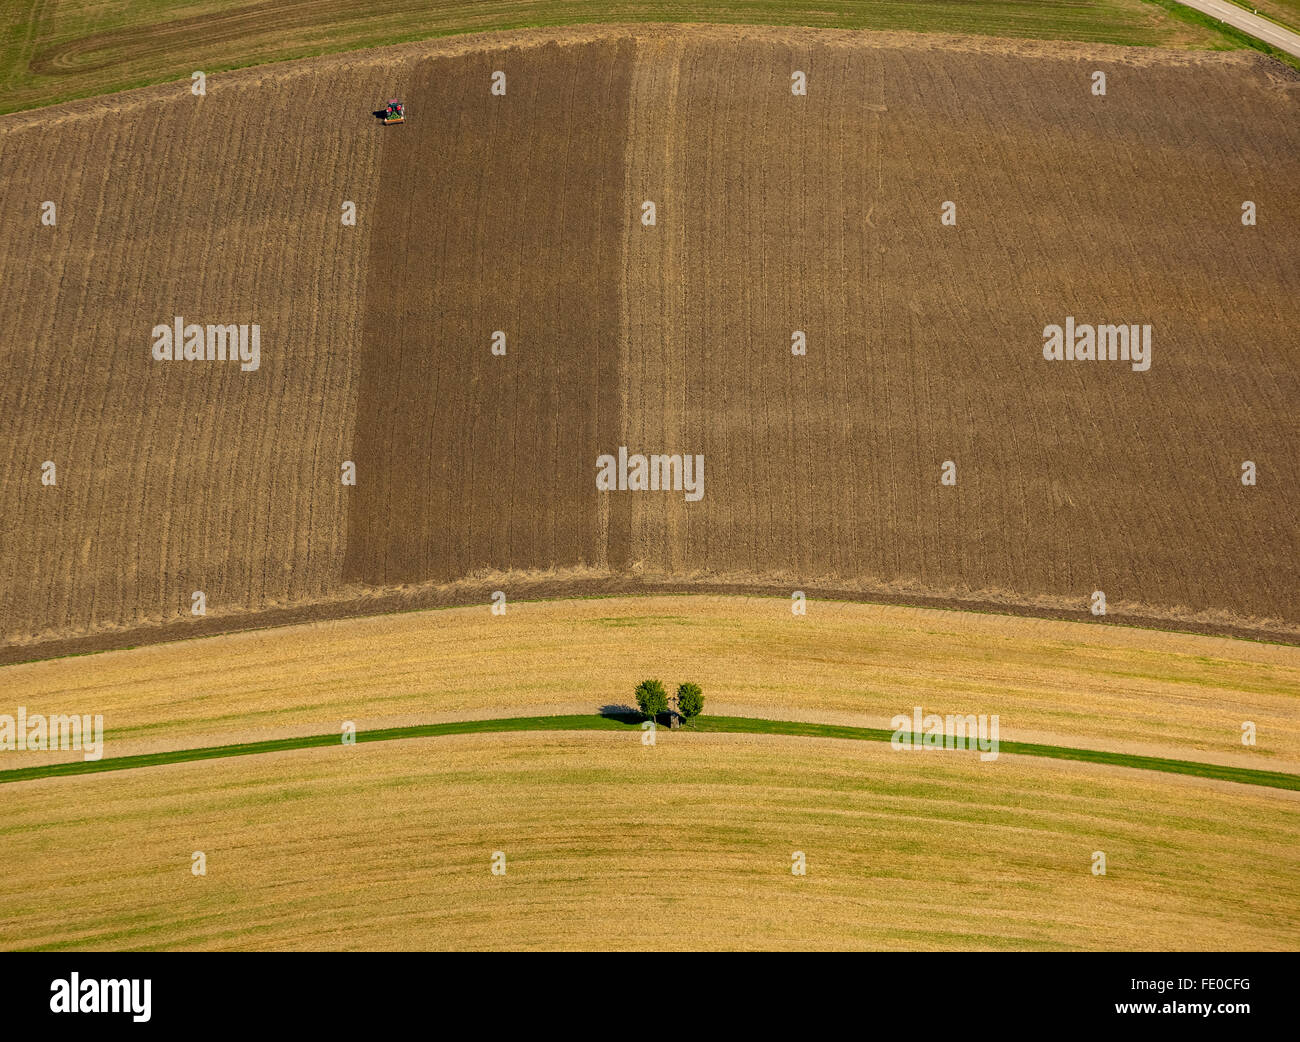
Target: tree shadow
[(624, 714)]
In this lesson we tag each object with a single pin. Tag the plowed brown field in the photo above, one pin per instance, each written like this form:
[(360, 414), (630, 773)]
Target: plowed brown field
[(775, 213)]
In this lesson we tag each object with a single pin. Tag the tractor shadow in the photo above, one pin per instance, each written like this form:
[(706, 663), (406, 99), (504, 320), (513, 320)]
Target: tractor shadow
[(380, 114)]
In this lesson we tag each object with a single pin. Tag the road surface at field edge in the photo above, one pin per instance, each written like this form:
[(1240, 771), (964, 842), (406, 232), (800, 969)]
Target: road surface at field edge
[(1254, 25)]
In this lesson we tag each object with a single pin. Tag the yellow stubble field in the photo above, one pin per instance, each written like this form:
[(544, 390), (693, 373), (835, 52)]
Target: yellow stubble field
[(1074, 684), (611, 843)]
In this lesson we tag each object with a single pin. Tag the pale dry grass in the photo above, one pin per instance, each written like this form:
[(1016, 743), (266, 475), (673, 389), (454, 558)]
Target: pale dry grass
[(1066, 683), (610, 844)]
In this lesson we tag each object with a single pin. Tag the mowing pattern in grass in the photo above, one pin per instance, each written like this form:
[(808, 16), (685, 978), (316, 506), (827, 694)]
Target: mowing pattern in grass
[(719, 724), (51, 52)]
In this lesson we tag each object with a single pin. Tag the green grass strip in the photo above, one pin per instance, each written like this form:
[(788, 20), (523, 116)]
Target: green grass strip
[(1245, 775), (155, 41), (712, 724)]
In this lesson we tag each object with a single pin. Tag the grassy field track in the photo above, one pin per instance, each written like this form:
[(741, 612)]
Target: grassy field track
[(610, 843), (706, 725), (1132, 692)]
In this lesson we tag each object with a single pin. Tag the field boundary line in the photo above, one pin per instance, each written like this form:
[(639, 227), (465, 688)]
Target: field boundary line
[(149, 90), (631, 722), (314, 613)]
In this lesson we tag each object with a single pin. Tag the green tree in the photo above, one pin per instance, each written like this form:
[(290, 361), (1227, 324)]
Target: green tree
[(690, 700), (651, 698)]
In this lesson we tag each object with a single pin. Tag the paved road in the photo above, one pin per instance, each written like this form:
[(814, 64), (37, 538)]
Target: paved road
[(1239, 18)]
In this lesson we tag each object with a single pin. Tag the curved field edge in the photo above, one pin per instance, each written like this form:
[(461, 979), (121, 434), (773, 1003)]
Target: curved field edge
[(58, 52), (613, 844), (1054, 683), (713, 724), (379, 604)]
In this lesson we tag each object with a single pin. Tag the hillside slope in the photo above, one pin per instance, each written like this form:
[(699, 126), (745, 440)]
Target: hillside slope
[(774, 213)]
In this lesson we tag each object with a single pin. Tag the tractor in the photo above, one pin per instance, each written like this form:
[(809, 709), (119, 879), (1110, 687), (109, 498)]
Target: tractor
[(395, 113)]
